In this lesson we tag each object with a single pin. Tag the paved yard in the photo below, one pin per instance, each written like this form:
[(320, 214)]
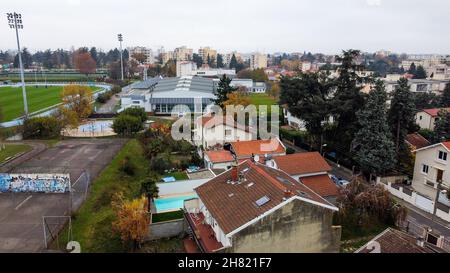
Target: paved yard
[(21, 214)]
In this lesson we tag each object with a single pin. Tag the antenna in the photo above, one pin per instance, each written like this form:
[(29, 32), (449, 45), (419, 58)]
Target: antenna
[(256, 158)]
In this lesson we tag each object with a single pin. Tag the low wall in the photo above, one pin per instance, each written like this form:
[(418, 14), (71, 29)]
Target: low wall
[(166, 229), (180, 187), (442, 210)]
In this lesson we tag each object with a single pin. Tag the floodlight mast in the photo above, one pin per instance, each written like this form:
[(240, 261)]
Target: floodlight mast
[(15, 22), (120, 37)]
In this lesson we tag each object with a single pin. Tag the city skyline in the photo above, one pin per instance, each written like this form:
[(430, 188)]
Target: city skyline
[(248, 26)]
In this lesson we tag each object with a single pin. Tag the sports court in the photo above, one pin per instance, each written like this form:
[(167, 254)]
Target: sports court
[(21, 214)]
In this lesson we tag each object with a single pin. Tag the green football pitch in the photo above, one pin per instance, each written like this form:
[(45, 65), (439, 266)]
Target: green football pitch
[(11, 100)]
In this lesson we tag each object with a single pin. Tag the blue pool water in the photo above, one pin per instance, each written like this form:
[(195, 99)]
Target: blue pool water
[(96, 126), (172, 203)]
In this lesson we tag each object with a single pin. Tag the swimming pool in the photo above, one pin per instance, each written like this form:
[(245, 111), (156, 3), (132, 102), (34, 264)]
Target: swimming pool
[(172, 203), (96, 126)]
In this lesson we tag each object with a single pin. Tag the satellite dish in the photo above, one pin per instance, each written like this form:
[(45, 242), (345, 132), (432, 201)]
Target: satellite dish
[(256, 158)]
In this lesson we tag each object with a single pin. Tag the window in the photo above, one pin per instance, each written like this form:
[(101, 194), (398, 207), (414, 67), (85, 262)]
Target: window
[(420, 117), (442, 156), (227, 132), (424, 168)]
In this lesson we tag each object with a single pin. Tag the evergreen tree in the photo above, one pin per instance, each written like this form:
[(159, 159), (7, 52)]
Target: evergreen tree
[(347, 98), (27, 59), (401, 116), (445, 99), (197, 59), (219, 61), (442, 126), (420, 73), (412, 69), (223, 90), (94, 55), (373, 145), (233, 62)]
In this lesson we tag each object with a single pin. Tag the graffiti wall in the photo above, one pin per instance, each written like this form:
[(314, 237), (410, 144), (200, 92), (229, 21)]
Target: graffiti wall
[(47, 183)]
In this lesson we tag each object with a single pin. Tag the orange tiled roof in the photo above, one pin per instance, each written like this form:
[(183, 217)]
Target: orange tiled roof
[(417, 140), (302, 163), (257, 147), (321, 184), (446, 144), (219, 156), (234, 204)]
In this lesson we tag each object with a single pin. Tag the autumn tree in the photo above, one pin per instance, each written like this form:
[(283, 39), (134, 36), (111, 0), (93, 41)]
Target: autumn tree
[(84, 62), (274, 90), (132, 219), (79, 99), (237, 98), (140, 57)]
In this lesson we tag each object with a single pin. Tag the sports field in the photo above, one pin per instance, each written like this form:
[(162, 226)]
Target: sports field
[(11, 100)]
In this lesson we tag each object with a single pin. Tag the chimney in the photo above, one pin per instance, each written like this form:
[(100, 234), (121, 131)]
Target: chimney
[(234, 172), (287, 193), (420, 242)]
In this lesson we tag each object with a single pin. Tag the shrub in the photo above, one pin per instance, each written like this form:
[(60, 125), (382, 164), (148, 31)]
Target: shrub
[(160, 164), (128, 166), (127, 125), (41, 127), (136, 112)]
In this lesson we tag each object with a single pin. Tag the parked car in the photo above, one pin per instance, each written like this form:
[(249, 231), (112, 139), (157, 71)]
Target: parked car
[(341, 182)]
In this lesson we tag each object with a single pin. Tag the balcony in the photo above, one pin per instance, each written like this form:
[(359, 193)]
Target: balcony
[(203, 234)]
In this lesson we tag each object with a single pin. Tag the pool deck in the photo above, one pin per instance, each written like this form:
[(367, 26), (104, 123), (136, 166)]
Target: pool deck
[(166, 196)]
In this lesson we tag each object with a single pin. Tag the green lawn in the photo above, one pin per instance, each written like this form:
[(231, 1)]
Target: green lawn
[(92, 224), (11, 100), (167, 216), (177, 175), (12, 149), (262, 99)]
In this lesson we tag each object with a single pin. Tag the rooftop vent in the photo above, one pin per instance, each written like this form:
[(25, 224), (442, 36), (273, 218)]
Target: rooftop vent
[(262, 201), (231, 195), (250, 184)]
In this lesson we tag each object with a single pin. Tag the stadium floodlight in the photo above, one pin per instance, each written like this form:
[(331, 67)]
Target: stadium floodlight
[(120, 37), (15, 22)]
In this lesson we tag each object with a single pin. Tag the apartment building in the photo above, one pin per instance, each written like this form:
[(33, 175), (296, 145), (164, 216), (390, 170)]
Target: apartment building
[(426, 118), (258, 60), (142, 50), (206, 52), (183, 53), (416, 85)]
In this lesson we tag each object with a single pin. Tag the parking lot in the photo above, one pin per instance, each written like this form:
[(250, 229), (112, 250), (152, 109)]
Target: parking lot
[(21, 215)]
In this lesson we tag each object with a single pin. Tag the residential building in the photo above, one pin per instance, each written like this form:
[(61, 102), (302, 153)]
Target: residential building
[(166, 56), (207, 52), (432, 166), (262, 148), (183, 53), (426, 118), (211, 130), (311, 169), (298, 123), (417, 85), (220, 159), (253, 208), (227, 58), (249, 85), (162, 95), (416, 141), (258, 60), (147, 52), (396, 241)]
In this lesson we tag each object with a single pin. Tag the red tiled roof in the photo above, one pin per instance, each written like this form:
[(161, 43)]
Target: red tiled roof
[(446, 144), (233, 204), (302, 163), (257, 147), (434, 111), (321, 184), (396, 241), (219, 156), (210, 121), (417, 140)]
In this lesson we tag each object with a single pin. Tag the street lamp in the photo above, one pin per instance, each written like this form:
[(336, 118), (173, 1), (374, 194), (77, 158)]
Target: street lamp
[(15, 22), (120, 37)]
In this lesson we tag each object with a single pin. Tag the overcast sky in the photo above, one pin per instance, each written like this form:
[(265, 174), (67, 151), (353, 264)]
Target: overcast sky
[(327, 26)]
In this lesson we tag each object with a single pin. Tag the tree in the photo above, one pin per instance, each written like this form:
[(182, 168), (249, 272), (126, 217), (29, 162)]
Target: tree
[(27, 59), (79, 99), (236, 98), (150, 190), (401, 115), (220, 61), (425, 100), (94, 55), (127, 125), (114, 70), (442, 126), (41, 128), (136, 112), (233, 62), (132, 219), (445, 99), (412, 69), (140, 57), (307, 98), (347, 98), (224, 88), (274, 90), (420, 73), (67, 117), (373, 145), (84, 62), (197, 59)]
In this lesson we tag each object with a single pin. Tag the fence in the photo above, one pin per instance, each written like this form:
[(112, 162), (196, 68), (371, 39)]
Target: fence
[(48, 183), (423, 232)]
